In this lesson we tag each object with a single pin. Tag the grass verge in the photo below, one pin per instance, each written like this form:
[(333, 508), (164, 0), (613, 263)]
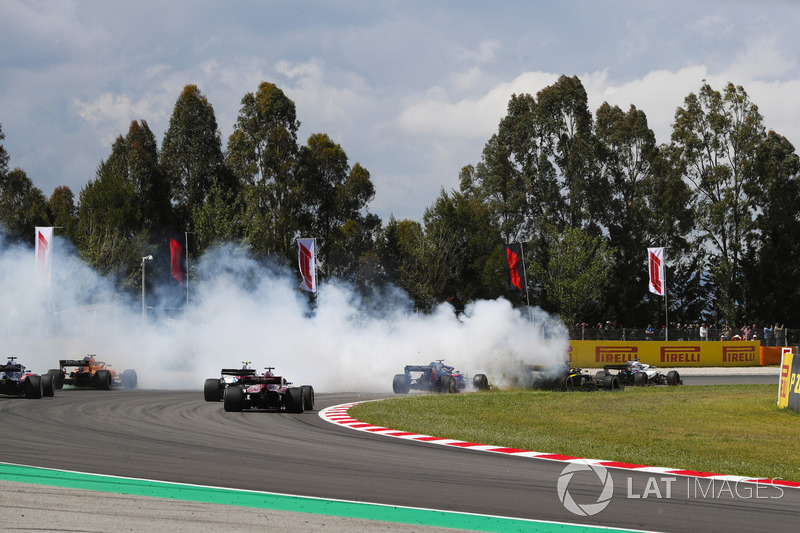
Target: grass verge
[(725, 429)]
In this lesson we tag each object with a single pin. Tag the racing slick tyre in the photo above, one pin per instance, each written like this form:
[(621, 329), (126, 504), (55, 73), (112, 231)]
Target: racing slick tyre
[(102, 380), (445, 384), (611, 382), (294, 400), (400, 384), (48, 385), (569, 384), (33, 387), (599, 376), (129, 379), (212, 390), (673, 378), (480, 382), (307, 392), (640, 379), (58, 378), (233, 399)]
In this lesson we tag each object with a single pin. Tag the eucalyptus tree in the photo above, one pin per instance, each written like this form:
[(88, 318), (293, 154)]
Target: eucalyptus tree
[(626, 155), (334, 207), (718, 135), (124, 207), (567, 137), (151, 186), (575, 272), (22, 206), (773, 282), (4, 157), (466, 249), (191, 154), (64, 212), (262, 154)]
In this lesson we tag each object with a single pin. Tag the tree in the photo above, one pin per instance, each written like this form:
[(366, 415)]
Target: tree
[(626, 153), (718, 136), (4, 157), (575, 272), (262, 154), (773, 282), (566, 127), (474, 249), (334, 205), (22, 206), (152, 188), (191, 154), (219, 218), (63, 211)]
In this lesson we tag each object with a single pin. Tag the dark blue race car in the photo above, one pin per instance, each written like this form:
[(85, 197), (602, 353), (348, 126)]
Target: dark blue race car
[(16, 380), (435, 377)]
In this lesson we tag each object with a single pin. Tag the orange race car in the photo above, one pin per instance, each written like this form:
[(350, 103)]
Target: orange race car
[(90, 372)]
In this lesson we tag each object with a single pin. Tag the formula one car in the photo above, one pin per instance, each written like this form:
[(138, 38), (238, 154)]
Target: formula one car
[(16, 380), (248, 390), (214, 388), (90, 372), (568, 378), (435, 377), (641, 374)]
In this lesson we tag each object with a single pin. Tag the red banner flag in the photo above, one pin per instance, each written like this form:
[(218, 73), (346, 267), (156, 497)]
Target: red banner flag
[(655, 260), (513, 257), (175, 256), (44, 254), (305, 255)]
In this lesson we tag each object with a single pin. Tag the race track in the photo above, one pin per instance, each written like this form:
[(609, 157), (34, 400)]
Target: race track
[(176, 436)]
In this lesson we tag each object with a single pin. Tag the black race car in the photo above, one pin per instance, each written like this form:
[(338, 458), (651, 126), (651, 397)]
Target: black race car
[(243, 388), (567, 378), (641, 375), (16, 380), (435, 377)]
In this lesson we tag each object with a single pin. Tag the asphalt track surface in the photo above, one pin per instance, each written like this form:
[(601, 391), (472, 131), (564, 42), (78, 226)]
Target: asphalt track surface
[(175, 436)]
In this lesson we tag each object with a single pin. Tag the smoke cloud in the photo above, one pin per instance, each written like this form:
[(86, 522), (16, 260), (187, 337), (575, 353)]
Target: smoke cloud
[(243, 309)]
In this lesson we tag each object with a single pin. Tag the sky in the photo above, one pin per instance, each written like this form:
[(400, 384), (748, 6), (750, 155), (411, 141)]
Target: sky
[(410, 90)]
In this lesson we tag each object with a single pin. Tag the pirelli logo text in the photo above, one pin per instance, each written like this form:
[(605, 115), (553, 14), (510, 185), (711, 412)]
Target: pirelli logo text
[(680, 354), (787, 380), (738, 354), (615, 354)]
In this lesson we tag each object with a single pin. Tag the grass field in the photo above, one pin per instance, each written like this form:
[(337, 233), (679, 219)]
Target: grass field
[(725, 429)]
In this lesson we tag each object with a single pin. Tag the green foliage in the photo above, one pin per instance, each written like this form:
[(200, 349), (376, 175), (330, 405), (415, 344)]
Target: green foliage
[(22, 206), (191, 154), (262, 155), (575, 272), (718, 135)]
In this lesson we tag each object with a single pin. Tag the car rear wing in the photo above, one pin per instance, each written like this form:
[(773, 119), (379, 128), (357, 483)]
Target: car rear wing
[(417, 368), (74, 362), (263, 380), (615, 367), (10, 368), (238, 371)]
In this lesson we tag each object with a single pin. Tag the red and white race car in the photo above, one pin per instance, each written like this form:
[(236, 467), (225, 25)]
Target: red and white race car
[(242, 388)]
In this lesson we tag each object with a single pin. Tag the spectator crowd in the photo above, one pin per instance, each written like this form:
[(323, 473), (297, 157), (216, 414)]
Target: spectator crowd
[(771, 334)]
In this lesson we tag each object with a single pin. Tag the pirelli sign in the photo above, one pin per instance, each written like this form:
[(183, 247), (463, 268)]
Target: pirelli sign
[(592, 354), (789, 387)]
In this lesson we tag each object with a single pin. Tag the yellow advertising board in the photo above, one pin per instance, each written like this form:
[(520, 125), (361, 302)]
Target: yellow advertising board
[(595, 354), (789, 387)]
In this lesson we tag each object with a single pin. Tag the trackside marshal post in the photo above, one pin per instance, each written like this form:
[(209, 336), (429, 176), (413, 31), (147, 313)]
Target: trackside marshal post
[(789, 388)]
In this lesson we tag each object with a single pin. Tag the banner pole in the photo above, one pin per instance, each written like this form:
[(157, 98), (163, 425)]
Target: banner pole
[(666, 307), (525, 282)]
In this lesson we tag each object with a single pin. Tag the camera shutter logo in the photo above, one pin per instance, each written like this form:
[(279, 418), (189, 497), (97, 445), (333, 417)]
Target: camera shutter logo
[(587, 509)]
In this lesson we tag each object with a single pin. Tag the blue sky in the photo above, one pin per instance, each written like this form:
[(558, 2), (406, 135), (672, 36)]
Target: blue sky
[(411, 90)]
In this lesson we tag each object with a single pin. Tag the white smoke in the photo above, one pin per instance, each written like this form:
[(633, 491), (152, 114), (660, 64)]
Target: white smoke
[(241, 309)]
